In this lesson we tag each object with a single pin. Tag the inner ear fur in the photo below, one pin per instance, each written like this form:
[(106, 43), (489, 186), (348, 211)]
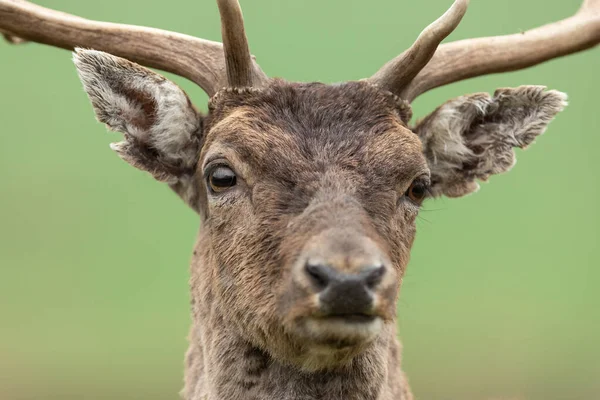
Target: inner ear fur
[(161, 128), (472, 137)]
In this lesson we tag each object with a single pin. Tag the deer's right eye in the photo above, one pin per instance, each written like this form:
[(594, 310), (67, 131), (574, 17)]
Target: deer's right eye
[(221, 178)]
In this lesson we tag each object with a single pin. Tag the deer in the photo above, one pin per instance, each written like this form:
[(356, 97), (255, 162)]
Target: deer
[(307, 192)]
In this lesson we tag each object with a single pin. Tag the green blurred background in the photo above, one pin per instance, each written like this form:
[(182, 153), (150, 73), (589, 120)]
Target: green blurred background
[(501, 298)]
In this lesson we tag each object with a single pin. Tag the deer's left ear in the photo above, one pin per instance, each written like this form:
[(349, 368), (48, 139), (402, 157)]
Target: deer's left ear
[(472, 137), (160, 126)]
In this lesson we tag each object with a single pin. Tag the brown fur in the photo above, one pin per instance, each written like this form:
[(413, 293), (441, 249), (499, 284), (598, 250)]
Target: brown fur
[(320, 168), (298, 147)]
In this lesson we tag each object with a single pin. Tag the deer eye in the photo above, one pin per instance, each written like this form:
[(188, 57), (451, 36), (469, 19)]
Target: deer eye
[(221, 178), (417, 192)]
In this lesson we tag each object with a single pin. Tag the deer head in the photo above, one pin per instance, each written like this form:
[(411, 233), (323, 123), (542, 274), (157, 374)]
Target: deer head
[(308, 192)]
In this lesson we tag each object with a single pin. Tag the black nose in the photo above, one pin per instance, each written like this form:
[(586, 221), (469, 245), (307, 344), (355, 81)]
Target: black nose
[(345, 294)]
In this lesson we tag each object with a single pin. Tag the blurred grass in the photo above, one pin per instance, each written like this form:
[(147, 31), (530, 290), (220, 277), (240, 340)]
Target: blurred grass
[(501, 296)]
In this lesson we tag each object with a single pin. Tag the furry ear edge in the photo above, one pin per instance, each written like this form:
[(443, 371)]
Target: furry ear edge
[(472, 137), (161, 127)]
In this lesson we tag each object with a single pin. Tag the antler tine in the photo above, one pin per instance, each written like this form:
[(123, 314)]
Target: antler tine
[(590, 5), (237, 53), (469, 58), (399, 72), (12, 39), (201, 61)]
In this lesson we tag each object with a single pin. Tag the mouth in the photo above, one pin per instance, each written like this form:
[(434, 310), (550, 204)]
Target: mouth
[(350, 318)]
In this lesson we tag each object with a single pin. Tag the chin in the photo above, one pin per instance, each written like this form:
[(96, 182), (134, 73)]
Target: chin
[(333, 342)]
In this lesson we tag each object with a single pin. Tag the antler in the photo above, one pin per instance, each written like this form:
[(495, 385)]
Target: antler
[(469, 58), (421, 68), (399, 72), (201, 61), (240, 71)]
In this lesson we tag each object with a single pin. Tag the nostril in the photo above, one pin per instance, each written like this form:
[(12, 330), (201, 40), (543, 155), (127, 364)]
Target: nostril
[(318, 274), (374, 275)]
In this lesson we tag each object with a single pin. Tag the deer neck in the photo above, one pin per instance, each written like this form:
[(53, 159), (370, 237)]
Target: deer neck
[(221, 365)]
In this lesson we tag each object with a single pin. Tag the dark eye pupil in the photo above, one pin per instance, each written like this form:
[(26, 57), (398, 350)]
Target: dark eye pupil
[(222, 178), (417, 192)]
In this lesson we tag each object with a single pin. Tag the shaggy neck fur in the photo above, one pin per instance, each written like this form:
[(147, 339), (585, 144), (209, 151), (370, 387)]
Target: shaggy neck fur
[(221, 365)]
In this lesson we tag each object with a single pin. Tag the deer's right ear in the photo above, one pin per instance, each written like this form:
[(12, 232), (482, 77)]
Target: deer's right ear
[(161, 127)]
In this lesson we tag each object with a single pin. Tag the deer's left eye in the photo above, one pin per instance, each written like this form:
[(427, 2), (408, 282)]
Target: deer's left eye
[(221, 178), (417, 192)]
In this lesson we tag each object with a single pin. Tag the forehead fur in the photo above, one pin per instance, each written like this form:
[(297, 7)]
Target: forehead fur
[(348, 102), (346, 124)]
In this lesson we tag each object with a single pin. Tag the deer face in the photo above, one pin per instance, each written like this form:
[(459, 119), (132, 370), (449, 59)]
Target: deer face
[(308, 193)]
